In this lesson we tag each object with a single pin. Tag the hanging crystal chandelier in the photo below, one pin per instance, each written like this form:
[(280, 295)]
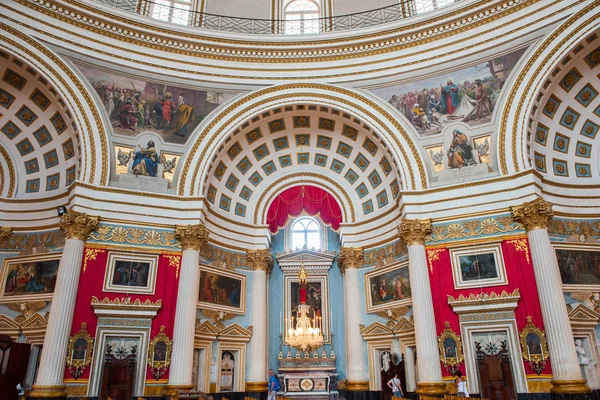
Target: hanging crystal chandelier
[(307, 334)]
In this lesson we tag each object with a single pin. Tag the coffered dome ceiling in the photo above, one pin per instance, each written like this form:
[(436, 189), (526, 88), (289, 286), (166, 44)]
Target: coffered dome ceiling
[(38, 145), (563, 132), (303, 142)]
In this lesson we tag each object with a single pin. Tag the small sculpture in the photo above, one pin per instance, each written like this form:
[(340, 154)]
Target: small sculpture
[(168, 165), (437, 157), (581, 354), (124, 157), (483, 148)]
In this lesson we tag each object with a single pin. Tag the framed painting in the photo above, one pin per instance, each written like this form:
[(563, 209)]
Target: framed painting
[(222, 290), (317, 297), (479, 266), (387, 287), (29, 278), (579, 265), (130, 273)]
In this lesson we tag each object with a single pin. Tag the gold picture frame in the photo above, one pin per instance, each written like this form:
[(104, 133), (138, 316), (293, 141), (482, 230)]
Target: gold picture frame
[(79, 351), (159, 353), (533, 343), (450, 347)]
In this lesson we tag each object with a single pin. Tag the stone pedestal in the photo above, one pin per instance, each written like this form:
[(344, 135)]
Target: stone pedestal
[(49, 383), (413, 232), (356, 372), (192, 238), (261, 263), (566, 373)]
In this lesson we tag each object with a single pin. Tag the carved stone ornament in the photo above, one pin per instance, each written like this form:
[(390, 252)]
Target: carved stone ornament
[(28, 308), (260, 260), (78, 225), (350, 257), (450, 347), (5, 233), (191, 237), (414, 231), (79, 351), (159, 353), (534, 346), (533, 214)]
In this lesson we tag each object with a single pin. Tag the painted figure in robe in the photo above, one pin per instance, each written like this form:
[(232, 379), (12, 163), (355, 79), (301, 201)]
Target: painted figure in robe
[(145, 162)]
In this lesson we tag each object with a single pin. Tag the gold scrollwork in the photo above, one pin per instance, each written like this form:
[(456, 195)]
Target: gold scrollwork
[(79, 351), (534, 346), (521, 245), (433, 255), (450, 347), (136, 236), (90, 255), (174, 261), (159, 353)]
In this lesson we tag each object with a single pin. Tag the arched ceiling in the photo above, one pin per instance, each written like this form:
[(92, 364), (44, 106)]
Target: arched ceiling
[(37, 137), (303, 141), (563, 136)]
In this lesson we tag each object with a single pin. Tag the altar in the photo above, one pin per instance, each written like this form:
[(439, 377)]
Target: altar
[(307, 377)]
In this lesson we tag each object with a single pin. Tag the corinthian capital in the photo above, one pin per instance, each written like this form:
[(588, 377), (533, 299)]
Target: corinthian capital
[(191, 237), (350, 257), (414, 231), (260, 259), (78, 225), (5, 233), (533, 214)]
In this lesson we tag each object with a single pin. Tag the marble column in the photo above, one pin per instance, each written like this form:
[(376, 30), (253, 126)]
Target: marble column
[(192, 239), (49, 383), (409, 363), (414, 232), (566, 373), (261, 263), (356, 370)]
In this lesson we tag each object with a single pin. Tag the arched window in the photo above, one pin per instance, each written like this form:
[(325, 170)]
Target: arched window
[(301, 17), (175, 11), (306, 233)]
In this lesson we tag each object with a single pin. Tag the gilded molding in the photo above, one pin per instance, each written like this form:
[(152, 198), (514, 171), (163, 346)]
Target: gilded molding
[(12, 176), (533, 214), (350, 257), (125, 304), (260, 260), (521, 246), (414, 231), (90, 255), (385, 254), (135, 236), (485, 298), (191, 237), (78, 226), (5, 233), (587, 229), (433, 255)]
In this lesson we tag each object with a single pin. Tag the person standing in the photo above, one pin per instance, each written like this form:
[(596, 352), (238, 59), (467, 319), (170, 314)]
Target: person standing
[(461, 385), (273, 385), (394, 384)]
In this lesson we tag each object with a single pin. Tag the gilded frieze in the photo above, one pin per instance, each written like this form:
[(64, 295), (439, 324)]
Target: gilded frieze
[(582, 231), (385, 255), (475, 228), (34, 243)]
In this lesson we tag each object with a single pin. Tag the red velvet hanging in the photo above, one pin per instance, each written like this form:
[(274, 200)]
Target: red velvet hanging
[(293, 201)]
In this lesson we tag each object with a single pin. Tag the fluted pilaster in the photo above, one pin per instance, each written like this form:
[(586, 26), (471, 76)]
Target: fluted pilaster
[(261, 263), (192, 239), (409, 362), (567, 377), (414, 232), (77, 228), (349, 259)]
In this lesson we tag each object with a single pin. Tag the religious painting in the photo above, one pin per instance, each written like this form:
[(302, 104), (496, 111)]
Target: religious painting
[(222, 290), (79, 351), (388, 287), (450, 346), (130, 273), (317, 297), (227, 371), (135, 105), (579, 265), (32, 277), (478, 266), (467, 95)]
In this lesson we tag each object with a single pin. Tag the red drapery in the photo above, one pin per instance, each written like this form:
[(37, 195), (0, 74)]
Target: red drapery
[(295, 200)]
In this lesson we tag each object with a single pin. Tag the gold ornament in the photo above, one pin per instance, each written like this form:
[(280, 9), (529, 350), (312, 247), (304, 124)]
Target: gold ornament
[(533, 214), (5, 234), (350, 257), (192, 237), (533, 346), (79, 353), (78, 226), (260, 260), (414, 231)]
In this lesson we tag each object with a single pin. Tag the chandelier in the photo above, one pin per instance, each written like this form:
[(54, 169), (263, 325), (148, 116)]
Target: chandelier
[(307, 333)]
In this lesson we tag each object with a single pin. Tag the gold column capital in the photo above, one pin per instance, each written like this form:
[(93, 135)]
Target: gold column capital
[(350, 257), (191, 237), (77, 225), (260, 260), (414, 231), (5, 233), (533, 214)]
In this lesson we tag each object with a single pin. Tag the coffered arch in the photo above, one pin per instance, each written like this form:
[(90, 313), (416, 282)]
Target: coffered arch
[(212, 135)]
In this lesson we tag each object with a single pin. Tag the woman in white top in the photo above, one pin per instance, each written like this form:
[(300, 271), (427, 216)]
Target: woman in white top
[(461, 385), (394, 384)]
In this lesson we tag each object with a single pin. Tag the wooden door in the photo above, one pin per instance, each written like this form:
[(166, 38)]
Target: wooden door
[(14, 358), (117, 377), (495, 376)]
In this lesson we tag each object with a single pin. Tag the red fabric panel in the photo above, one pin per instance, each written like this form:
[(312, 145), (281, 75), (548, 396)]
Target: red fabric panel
[(310, 199), (91, 283), (519, 273)]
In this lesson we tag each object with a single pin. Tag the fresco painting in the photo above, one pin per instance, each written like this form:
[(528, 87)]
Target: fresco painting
[(31, 278), (578, 267), (468, 95), (220, 290)]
